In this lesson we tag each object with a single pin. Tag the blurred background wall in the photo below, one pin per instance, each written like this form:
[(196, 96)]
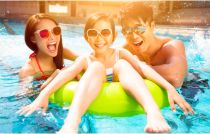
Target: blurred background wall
[(165, 12)]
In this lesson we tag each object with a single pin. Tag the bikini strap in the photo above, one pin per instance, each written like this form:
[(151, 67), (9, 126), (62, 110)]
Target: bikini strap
[(33, 55)]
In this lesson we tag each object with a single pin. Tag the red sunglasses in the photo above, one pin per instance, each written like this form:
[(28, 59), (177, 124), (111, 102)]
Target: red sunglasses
[(45, 33)]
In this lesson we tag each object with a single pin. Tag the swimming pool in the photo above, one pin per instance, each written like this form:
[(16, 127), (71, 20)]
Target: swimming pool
[(13, 54)]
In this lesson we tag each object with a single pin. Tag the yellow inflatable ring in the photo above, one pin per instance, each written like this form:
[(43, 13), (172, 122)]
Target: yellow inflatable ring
[(112, 100)]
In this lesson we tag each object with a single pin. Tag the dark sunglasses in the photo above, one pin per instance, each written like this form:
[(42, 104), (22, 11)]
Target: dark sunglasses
[(45, 33), (94, 33), (137, 30)]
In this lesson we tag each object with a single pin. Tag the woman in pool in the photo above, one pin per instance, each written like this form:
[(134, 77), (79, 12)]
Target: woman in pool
[(106, 64), (43, 37)]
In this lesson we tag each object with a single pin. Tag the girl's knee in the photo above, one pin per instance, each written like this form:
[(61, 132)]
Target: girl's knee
[(122, 64), (97, 70), (98, 67)]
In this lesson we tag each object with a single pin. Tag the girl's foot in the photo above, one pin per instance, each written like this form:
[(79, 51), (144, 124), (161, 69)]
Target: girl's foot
[(156, 123), (67, 130)]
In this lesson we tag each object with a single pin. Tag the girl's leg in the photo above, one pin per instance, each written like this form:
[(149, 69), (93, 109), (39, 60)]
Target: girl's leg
[(87, 90), (134, 84)]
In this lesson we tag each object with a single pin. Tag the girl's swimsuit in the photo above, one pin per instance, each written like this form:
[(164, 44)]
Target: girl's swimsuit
[(109, 71), (43, 75)]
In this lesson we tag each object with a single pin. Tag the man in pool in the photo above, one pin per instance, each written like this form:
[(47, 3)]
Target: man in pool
[(165, 55)]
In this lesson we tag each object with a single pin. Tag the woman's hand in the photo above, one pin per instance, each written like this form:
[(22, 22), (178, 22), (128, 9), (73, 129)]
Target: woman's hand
[(39, 102), (175, 98)]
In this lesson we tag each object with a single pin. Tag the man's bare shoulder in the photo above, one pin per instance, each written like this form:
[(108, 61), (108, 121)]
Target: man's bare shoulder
[(166, 41), (173, 46)]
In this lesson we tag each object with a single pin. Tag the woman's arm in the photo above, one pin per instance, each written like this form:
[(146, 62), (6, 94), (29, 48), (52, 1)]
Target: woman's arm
[(65, 75), (68, 54), (52, 76), (26, 77)]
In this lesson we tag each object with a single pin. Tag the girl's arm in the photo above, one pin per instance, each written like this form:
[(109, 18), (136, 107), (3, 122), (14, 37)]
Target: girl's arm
[(151, 74), (68, 54)]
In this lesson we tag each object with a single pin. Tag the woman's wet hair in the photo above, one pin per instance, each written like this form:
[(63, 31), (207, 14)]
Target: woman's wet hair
[(136, 10), (93, 19), (31, 24)]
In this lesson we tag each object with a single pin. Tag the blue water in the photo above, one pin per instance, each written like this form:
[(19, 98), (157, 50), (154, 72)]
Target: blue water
[(2, 28), (14, 53)]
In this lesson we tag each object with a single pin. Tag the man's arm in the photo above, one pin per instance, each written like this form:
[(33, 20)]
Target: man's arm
[(175, 68)]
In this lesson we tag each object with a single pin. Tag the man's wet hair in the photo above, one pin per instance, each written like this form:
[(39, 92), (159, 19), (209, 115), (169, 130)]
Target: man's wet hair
[(136, 10)]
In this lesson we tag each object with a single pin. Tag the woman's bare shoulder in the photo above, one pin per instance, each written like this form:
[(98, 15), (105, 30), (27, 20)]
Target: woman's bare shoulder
[(27, 70)]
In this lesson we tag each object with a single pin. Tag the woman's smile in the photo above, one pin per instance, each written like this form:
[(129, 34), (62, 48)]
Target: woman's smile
[(52, 46)]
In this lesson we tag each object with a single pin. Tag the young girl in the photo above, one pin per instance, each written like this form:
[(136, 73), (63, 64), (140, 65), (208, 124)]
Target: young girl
[(43, 37), (107, 64)]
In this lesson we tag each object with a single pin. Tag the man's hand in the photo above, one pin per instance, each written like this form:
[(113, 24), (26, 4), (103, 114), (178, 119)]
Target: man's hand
[(175, 98)]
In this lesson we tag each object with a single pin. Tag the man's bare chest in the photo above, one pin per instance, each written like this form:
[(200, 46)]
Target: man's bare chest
[(156, 59)]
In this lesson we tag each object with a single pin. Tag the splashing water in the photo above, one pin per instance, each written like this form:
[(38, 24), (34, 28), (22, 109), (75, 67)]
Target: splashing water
[(198, 51)]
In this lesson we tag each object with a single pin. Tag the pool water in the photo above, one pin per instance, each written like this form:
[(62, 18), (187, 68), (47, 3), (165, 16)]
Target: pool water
[(14, 53)]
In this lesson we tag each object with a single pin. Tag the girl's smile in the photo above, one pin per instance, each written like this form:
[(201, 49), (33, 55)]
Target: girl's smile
[(100, 36)]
